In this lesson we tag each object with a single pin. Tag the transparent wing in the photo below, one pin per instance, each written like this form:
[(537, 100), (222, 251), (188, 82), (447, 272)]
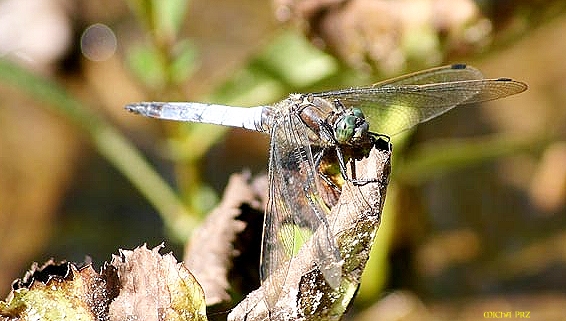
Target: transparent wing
[(294, 210), (400, 103)]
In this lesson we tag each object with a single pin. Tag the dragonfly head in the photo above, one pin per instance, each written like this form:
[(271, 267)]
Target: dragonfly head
[(351, 126)]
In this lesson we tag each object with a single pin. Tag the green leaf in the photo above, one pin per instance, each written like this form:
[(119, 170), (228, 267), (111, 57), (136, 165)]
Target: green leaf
[(298, 61), (145, 64), (183, 64), (162, 17), (169, 16)]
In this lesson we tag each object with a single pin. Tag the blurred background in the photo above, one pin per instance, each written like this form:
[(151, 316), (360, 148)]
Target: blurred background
[(475, 220)]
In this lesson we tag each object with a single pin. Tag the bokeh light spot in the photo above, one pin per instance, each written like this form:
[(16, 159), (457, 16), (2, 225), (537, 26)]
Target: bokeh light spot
[(98, 42)]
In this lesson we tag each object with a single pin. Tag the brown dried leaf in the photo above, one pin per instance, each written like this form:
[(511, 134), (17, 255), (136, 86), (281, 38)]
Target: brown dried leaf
[(61, 291), (155, 287), (138, 285), (211, 250)]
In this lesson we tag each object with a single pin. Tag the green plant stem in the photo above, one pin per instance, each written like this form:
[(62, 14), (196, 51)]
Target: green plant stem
[(110, 143), (441, 156)]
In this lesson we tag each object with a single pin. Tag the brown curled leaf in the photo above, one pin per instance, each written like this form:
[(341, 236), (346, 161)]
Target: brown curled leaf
[(138, 285), (58, 291), (155, 287), (212, 249)]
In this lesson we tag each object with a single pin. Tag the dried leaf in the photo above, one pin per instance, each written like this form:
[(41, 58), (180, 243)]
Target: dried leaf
[(155, 287), (211, 251), (61, 291), (138, 285)]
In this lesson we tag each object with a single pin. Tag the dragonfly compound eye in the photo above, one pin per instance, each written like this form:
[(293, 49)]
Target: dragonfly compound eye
[(344, 128), (358, 113), (351, 126)]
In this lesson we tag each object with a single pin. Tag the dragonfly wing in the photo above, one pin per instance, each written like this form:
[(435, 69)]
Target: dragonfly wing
[(295, 209), (400, 103), (434, 75)]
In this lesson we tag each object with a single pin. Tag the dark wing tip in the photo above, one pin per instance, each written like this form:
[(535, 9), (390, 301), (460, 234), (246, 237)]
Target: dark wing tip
[(459, 66), (519, 86)]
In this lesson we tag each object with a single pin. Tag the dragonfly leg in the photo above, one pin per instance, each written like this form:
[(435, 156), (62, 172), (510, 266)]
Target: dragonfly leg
[(326, 130), (378, 140), (341, 163), (381, 137), (343, 171)]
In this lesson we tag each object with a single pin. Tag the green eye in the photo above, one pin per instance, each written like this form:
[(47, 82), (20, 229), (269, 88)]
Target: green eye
[(358, 113), (351, 126), (344, 128)]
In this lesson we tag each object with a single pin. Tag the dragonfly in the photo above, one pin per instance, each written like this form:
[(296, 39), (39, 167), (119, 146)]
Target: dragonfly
[(305, 129)]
